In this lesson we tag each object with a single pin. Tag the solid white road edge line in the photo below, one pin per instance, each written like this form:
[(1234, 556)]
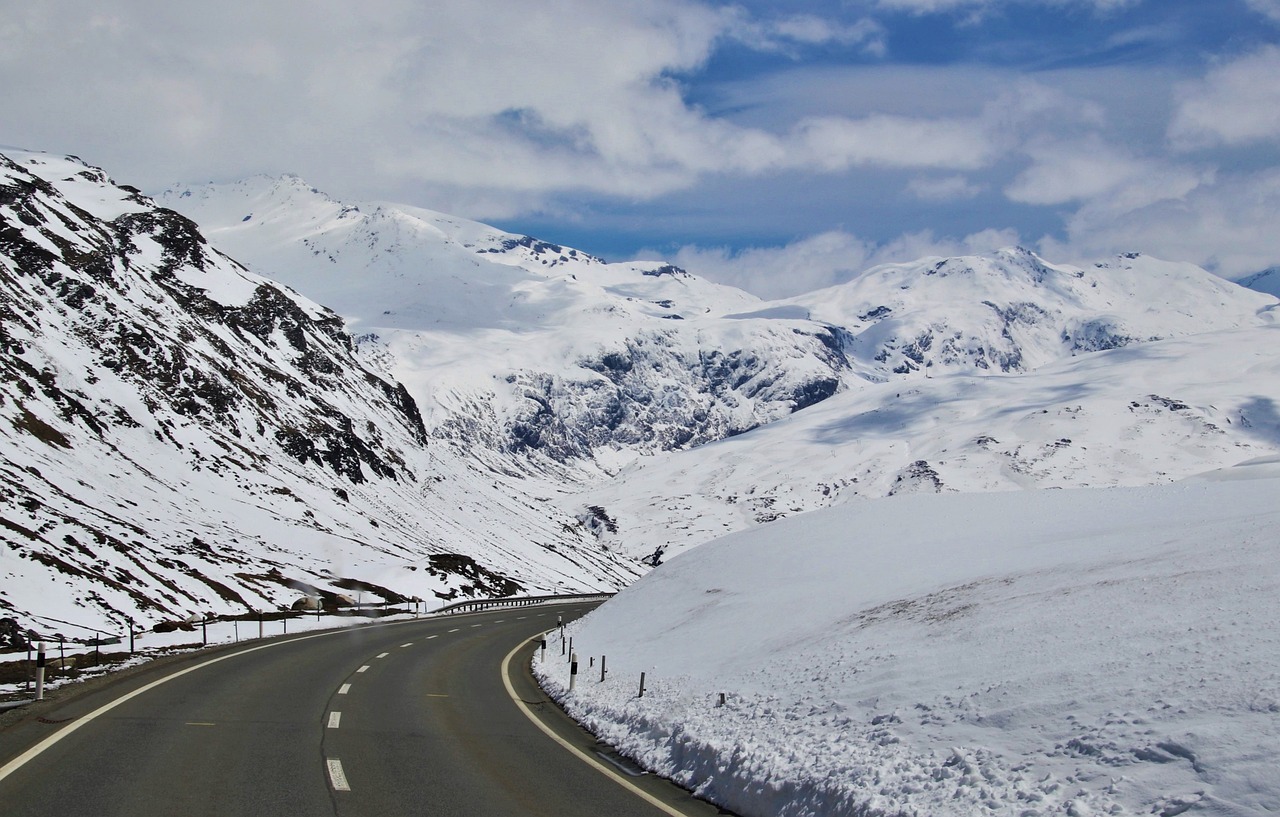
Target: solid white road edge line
[(335, 720), (581, 755), (22, 759), (337, 778)]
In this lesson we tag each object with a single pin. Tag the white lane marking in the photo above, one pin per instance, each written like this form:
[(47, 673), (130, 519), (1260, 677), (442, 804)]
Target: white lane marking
[(432, 636), (365, 668), (335, 720), (26, 757), (521, 618), (383, 654), (344, 689), (410, 644), (337, 778), (473, 626), (455, 629), (596, 764), (500, 621)]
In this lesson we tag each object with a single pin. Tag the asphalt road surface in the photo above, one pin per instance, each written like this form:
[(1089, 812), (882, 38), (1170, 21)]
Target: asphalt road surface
[(412, 718)]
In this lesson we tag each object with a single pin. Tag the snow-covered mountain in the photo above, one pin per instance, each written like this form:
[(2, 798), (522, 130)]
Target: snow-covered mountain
[(178, 435), (1011, 311), (184, 434), (518, 345), (989, 372), (1267, 281), (1146, 414)]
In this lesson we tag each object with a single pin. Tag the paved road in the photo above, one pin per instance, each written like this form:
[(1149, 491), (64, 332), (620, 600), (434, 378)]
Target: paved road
[(402, 719)]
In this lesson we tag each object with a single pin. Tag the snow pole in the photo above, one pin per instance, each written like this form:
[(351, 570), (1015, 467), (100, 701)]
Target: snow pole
[(602, 669), (573, 669), (40, 671), (642, 685), (543, 645)]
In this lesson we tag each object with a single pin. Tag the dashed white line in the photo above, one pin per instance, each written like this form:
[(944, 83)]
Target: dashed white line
[(499, 621), (521, 618), (473, 626), (365, 668), (433, 636), (344, 689), (455, 629), (337, 778), (335, 720), (410, 644), (383, 654)]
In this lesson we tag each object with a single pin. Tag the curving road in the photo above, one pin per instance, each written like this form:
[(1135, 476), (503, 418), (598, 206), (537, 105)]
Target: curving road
[(411, 718)]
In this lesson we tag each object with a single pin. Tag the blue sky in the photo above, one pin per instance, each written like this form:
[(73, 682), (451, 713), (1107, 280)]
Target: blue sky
[(779, 146)]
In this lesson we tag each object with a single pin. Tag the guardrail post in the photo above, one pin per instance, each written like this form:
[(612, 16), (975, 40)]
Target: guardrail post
[(40, 671)]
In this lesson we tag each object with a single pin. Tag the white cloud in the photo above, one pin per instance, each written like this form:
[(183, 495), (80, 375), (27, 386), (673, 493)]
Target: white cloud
[(1073, 171), (825, 259), (1270, 8), (1226, 224), (452, 99), (837, 143), (808, 29), (1236, 103), (935, 6)]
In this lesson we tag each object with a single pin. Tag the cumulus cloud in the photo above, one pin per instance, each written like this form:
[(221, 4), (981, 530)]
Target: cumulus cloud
[(452, 96), (826, 259), (1225, 224), (1236, 103)]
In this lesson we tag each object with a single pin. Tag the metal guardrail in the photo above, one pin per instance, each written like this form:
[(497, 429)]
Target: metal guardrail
[(522, 601)]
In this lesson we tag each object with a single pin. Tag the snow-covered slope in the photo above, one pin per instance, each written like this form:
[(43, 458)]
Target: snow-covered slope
[(1145, 414), (514, 344), (178, 434), (1103, 651)]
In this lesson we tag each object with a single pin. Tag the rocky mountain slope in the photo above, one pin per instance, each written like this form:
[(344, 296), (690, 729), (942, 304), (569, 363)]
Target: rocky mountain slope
[(179, 435)]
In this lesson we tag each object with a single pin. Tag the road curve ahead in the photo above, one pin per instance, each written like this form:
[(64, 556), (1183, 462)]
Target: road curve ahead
[(411, 718)]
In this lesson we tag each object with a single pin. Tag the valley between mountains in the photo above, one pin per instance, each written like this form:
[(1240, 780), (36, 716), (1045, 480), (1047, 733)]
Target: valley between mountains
[(228, 397)]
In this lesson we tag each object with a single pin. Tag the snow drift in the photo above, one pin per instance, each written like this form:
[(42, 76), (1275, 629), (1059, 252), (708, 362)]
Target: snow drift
[(1106, 651)]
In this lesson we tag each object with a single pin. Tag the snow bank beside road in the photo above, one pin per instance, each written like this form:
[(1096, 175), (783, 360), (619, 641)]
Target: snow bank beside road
[(1080, 652)]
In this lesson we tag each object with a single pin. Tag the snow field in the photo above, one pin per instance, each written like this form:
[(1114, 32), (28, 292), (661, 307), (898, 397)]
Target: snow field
[(1106, 651)]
